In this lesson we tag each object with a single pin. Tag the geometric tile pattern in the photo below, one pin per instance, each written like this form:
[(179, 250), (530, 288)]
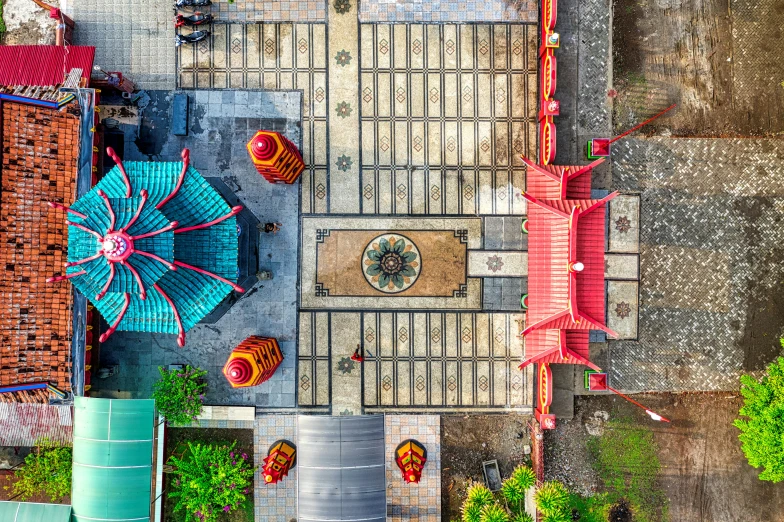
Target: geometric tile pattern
[(440, 361), (446, 112), (314, 360), (274, 502), (271, 56), (420, 501), (265, 10), (448, 11)]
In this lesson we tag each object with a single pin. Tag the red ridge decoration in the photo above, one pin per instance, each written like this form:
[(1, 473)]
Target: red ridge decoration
[(186, 161), (118, 161), (60, 206), (142, 291), (234, 211), (113, 327), (181, 335), (109, 209), (143, 194), (236, 287)]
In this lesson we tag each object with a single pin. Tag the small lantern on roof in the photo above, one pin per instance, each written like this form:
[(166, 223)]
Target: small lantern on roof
[(275, 157), (411, 456), (253, 361), (281, 457)]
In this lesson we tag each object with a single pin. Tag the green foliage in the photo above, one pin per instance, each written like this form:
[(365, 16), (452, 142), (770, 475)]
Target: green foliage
[(522, 517), (471, 512), (762, 431), (479, 495), (2, 22), (210, 479), (179, 395), (591, 509), (626, 461), (552, 499), (493, 513), (513, 489), (47, 469)]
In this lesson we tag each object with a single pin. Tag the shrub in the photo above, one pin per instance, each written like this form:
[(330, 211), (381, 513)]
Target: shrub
[(762, 429), (210, 479), (522, 517), (513, 489), (552, 499), (46, 469), (179, 394), (493, 513)]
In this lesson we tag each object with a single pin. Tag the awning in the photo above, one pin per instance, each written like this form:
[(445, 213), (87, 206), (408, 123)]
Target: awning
[(341, 468), (34, 512), (112, 461)]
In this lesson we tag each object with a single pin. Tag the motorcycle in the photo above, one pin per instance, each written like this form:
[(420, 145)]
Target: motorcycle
[(179, 4), (193, 20), (195, 36)]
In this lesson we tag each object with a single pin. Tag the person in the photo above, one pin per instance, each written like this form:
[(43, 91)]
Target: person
[(358, 354), (272, 227)]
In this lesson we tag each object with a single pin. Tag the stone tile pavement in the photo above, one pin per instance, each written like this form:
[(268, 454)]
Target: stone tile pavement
[(135, 37), (710, 261), (448, 11), (421, 501), (274, 502), (265, 10)]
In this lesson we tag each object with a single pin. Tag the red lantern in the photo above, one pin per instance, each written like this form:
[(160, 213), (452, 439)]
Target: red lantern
[(281, 457), (411, 456)]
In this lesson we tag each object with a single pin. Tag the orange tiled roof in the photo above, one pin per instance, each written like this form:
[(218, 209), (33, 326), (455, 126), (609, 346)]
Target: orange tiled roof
[(40, 152)]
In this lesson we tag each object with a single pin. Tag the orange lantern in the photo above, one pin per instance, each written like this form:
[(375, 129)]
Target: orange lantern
[(411, 456), (281, 457), (275, 157), (253, 361)]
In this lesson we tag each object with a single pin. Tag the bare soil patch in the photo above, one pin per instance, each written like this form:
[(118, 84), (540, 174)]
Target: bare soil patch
[(703, 471), (718, 59), (467, 441)]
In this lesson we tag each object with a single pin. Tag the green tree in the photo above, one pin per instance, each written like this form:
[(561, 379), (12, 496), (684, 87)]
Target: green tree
[(762, 429), (481, 505), (179, 394), (513, 489), (210, 479), (493, 513), (47, 469)]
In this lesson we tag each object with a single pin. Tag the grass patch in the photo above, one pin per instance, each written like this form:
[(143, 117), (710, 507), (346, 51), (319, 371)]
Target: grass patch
[(626, 461)]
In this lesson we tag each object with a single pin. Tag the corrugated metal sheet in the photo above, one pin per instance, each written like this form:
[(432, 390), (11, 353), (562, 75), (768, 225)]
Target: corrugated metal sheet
[(112, 461), (341, 468), (43, 64), (34, 512), (22, 424)]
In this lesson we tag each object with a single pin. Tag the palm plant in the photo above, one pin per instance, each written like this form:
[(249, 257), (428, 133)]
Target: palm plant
[(522, 517), (552, 499), (479, 495), (472, 512), (493, 513), (513, 489)]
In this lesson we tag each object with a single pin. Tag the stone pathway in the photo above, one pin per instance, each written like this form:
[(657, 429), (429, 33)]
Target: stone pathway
[(709, 261)]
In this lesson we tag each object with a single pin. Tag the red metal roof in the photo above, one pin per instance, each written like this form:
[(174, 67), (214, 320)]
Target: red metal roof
[(563, 304), (43, 64), (24, 424)]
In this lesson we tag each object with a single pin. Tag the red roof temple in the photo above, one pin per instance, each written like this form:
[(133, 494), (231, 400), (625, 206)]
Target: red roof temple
[(566, 294)]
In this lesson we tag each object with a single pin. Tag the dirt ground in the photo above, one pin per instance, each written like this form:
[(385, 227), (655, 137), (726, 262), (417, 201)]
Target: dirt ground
[(467, 441), (704, 472), (720, 60), (27, 23)]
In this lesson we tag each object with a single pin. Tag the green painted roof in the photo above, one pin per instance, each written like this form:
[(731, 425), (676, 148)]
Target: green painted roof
[(34, 512), (112, 461)]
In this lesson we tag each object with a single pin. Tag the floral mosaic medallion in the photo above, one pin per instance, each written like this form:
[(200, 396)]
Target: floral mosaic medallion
[(345, 365), (391, 263)]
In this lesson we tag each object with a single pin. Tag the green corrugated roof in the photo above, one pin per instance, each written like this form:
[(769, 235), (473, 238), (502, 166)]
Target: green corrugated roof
[(112, 470), (34, 512)]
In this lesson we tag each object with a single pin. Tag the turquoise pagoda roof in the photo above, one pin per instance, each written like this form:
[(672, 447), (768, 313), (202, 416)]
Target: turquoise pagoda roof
[(153, 246)]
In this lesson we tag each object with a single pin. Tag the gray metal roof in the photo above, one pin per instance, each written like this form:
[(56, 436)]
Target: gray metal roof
[(340, 463)]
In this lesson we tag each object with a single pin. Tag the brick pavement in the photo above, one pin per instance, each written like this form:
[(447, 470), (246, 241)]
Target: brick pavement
[(135, 37), (710, 260)]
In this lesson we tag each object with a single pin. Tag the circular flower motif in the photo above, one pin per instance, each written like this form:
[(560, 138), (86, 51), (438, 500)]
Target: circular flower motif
[(342, 6), (344, 163), (343, 58), (343, 109), (391, 263), (345, 365)]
